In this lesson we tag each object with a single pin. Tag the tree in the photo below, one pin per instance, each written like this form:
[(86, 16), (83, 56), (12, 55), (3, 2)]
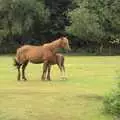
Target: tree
[(85, 24), (96, 20), (58, 16), (18, 16)]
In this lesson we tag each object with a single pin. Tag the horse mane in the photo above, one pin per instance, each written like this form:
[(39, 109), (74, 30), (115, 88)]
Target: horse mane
[(56, 42)]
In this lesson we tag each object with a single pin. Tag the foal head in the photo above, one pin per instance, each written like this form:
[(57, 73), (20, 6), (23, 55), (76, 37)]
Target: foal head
[(65, 43)]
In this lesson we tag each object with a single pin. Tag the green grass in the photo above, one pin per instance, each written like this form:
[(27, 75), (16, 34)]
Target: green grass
[(79, 97)]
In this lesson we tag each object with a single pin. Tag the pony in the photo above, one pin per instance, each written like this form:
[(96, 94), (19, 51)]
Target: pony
[(45, 54)]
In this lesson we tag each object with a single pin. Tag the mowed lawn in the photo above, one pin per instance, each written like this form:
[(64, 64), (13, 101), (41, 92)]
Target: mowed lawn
[(80, 97)]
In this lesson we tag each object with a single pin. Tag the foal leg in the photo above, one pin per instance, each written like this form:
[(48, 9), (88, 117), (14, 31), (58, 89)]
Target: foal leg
[(48, 74), (23, 70), (61, 72), (63, 69), (45, 65)]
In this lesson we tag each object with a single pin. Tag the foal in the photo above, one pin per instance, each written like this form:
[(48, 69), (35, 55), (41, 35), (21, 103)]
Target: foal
[(59, 60), (38, 54)]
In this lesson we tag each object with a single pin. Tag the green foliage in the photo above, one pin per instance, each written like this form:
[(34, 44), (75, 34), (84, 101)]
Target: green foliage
[(84, 21), (96, 20), (26, 12), (18, 16), (85, 25), (112, 101), (58, 16)]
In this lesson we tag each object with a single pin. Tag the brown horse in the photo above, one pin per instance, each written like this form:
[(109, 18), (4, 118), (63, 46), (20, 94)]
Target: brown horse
[(58, 59), (39, 54)]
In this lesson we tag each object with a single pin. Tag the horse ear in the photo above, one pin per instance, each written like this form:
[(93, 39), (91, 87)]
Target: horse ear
[(63, 37)]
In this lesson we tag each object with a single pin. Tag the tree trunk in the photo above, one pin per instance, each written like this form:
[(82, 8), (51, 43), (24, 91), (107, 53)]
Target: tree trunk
[(10, 37), (101, 48), (10, 30), (110, 50)]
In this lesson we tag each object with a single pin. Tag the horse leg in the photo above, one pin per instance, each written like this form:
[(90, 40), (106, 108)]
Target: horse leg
[(23, 70), (48, 74), (45, 65), (19, 74)]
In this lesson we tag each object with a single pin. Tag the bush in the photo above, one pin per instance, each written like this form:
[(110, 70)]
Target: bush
[(112, 102)]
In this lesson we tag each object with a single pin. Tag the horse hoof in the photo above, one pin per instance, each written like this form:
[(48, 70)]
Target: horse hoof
[(24, 79), (49, 79)]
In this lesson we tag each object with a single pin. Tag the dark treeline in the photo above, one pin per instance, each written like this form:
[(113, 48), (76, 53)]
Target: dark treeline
[(92, 25)]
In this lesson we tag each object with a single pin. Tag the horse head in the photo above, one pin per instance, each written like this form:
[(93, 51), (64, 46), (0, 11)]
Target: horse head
[(65, 43)]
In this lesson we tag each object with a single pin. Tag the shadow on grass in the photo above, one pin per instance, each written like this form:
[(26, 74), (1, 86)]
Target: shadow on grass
[(88, 54), (90, 96), (47, 92)]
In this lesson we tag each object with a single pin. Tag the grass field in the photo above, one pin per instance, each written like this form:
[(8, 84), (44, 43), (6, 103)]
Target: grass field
[(77, 98)]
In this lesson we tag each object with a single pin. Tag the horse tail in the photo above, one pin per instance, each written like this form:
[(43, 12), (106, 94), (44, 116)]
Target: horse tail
[(17, 58), (16, 63)]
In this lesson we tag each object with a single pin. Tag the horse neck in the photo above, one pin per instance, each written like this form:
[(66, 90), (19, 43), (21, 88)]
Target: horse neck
[(55, 45)]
